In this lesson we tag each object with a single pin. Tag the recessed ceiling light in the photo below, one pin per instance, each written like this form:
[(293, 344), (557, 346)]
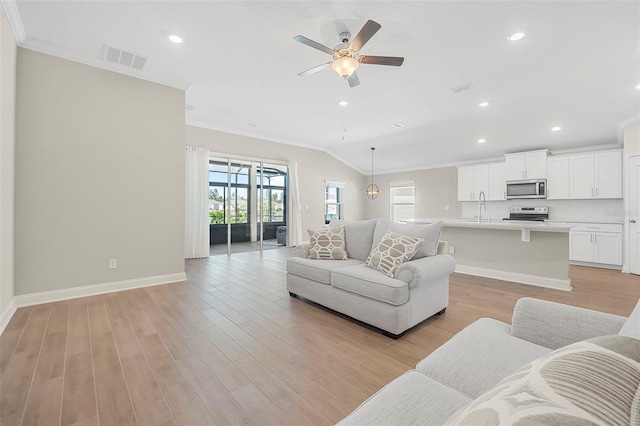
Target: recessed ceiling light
[(556, 129), (344, 102), (516, 36), (484, 104), (176, 39), (398, 125), (638, 87), (482, 140)]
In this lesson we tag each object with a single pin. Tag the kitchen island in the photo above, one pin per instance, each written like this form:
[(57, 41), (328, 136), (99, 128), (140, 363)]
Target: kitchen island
[(535, 253)]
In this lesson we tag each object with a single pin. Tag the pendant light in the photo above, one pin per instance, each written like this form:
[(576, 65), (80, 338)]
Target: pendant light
[(372, 190)]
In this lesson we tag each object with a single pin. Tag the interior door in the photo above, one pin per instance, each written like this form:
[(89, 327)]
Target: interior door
[(634, 215)]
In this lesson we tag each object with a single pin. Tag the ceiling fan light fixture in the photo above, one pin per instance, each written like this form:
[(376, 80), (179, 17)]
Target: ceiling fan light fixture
[(345, 66)]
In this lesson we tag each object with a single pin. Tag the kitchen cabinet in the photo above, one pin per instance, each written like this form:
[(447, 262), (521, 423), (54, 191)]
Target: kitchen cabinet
[(471, 181), (596, 175), (527, 165), (596, 243), (558, 178), (497, 182)]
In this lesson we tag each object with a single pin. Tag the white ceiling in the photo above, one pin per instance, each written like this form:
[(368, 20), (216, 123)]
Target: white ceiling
[(577, 67)]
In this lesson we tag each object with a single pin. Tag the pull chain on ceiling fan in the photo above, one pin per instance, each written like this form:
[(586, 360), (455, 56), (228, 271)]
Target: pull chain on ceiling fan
[(346, 56)]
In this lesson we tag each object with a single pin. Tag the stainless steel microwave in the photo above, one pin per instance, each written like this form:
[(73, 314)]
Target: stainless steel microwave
[(529, 188)]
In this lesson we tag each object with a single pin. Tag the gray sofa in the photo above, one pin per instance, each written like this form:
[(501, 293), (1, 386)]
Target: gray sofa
[(419, 290), (448, 384)]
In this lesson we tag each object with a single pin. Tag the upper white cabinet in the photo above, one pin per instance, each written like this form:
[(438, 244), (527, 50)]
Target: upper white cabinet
[(527, 165), (597, 175), (497, 182), (558, 178), (471, 181)]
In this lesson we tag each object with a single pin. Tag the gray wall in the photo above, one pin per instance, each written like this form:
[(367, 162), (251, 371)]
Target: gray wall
[(314, 167), (7, 159), (546, 255), (632, 138), (99, 175), (435, 189)]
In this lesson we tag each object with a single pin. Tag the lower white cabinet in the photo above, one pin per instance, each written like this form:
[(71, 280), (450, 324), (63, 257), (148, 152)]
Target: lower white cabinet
[(596, 243)]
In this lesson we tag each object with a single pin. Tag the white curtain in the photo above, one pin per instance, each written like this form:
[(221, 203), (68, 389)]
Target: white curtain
[(196, 202), (294, 227)]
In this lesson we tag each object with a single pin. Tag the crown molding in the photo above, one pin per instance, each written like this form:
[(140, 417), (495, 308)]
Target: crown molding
[(256, 136), (10, 8), (624, 124), (48, 49)]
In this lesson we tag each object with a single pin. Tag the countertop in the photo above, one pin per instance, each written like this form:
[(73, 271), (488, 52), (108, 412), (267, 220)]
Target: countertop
[(497, 224)]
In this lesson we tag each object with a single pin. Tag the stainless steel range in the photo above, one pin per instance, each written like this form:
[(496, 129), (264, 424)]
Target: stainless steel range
[(539, 214)]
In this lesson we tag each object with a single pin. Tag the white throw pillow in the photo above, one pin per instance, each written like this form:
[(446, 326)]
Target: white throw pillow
[(394, 249), (327, 244)]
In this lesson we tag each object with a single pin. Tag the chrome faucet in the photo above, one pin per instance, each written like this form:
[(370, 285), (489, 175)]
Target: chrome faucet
[(482, 205)]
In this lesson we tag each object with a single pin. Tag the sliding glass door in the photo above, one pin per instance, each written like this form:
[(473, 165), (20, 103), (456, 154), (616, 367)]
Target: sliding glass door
[(247, 205)]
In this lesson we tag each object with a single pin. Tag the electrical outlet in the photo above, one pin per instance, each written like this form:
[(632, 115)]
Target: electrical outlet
[(113, 263), (446, 208), (452, 250)]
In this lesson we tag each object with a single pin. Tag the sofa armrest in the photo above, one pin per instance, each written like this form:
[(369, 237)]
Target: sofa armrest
[(554, 325), (302, 250), (425, 269), (443, 247)]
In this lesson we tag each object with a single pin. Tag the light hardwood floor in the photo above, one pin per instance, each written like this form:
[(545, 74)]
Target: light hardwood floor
[(229, 346)]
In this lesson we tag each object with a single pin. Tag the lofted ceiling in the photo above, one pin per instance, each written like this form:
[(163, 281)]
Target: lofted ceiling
[(577, 67)]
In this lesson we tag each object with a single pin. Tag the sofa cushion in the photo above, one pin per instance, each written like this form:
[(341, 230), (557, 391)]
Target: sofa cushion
[(411, 399), (593, 382), (479, 356), (327, 244), (358, 236), (394, 249), (430, 234), (317, 270), (370, 283)]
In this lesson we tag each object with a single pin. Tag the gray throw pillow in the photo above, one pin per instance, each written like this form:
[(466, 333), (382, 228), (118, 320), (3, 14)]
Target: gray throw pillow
[(430, 233)]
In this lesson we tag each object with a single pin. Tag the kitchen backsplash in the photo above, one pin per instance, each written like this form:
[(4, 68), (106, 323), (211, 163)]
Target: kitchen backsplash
[(598, 211)]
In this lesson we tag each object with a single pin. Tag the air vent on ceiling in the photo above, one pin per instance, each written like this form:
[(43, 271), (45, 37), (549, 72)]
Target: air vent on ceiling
[(127, 59), (462, 88), (189, 107)]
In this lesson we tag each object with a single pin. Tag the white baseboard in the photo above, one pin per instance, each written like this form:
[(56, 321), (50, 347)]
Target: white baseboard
[(7, 314), (84, 291), (555, 283)]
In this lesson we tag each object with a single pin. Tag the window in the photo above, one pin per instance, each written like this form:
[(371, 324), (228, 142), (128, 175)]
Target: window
[(332, 200), (403, 199)]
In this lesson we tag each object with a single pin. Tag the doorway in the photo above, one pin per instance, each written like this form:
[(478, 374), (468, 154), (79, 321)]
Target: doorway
[(247, 205), (633, 209)]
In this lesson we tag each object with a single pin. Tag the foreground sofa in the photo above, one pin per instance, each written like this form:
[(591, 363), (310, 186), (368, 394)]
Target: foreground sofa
[(491, 373), (419, 289)]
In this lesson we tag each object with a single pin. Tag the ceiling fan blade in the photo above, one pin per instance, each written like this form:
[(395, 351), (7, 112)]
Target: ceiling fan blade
[(353, 80), (369, 29), (302, 39), (395, 61), (314, 69)]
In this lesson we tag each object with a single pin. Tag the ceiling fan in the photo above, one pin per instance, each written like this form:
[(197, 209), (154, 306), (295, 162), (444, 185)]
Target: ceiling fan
[(346, 57)]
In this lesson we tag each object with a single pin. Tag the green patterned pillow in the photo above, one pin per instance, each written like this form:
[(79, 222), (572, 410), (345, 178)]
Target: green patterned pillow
[(394, 249), (327, 244), (593, 382)]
